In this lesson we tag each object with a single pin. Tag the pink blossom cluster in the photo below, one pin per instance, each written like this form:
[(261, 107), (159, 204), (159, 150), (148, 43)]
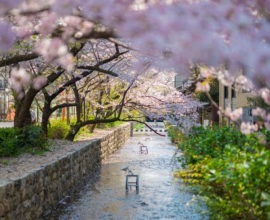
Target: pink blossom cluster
[(39, 82), (263, 115), (19, 80), (6, 5), (7, 38), (156, 97), (211, 32), (229, 37), (202, 87), (265, 93), (234, 115), (247, 128), (54, 50)]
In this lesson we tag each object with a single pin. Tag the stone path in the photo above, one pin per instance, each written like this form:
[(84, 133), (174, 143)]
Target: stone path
[(6, 124)]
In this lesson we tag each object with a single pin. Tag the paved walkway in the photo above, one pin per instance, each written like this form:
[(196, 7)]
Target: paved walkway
[(6, 124)]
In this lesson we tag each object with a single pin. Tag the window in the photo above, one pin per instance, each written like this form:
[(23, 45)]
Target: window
[(247, 114), (250, 111), (233, 93), (225, 92), (2, 84), (6, 83)]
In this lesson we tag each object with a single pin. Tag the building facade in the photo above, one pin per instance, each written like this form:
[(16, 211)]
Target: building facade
[(4, 98), (233, 99)]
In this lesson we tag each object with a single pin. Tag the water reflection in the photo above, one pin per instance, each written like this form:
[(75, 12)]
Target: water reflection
[(160, 196)]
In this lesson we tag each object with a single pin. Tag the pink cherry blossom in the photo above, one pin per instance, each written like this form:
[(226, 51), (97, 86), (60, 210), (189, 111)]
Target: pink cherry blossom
[(242, 82), (20, 76), (65, 7), (7, 37), (247, 128), (19, 80), (49, 48), (66, 61), (55, 51), (265, 93), (39, 82), (236, 114), (230, 40), (207, 72), (259, 112), (47, 24), (202, 87), (6, 5), (267, 121)]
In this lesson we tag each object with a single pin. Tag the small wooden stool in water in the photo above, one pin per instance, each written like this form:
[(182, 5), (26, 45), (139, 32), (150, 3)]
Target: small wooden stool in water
[(131, 180), (143, 148)]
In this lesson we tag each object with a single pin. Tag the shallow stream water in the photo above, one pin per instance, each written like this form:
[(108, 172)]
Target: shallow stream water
[(160, 196)]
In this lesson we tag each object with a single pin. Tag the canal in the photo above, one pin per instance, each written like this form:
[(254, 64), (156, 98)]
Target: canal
[(160, 195)]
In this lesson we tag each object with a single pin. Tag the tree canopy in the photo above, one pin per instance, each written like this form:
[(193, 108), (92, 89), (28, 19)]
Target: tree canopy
[(231, 37)]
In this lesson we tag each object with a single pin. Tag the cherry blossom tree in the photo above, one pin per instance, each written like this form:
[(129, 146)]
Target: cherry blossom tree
[(233, 34), (114, 99), (26, 89), (82, 71)]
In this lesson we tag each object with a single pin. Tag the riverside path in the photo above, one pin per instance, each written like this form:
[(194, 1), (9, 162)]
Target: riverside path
[(160, 196)]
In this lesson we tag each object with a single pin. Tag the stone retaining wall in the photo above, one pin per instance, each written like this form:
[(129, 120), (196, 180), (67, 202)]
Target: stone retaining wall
[(35, 194)]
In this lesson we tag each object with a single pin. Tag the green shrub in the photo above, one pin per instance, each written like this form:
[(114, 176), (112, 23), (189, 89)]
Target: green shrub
[(9, 141), (175, 134), (139, 126), (210, 142), (33, 137), (231, 169), (236, 182), (58, 129), (113, 124), (14, 141)]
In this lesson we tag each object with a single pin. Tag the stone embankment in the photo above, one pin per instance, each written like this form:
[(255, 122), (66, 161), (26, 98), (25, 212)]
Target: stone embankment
[(31, 189)]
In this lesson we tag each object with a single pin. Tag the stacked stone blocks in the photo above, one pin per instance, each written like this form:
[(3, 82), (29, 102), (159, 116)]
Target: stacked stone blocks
[(35, 194)]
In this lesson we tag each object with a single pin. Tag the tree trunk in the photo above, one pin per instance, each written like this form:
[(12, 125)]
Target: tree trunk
[(214, 115), (22, 114), (68, 115), (72, 132), (22, 118), (45, 118), (75, 128), (92, 128)]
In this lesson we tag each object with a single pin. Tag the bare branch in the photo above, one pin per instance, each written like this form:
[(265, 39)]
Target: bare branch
[(6, 61), (120, 44), (64, 105)]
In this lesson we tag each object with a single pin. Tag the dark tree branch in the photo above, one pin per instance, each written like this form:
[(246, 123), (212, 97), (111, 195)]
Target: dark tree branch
[(64, 105), (98, 69), (100, 63), (124, 97), (55, 75), (91, 70), (17, 58), (120, 43), (98, 33), (81, 76), (30, 12)]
